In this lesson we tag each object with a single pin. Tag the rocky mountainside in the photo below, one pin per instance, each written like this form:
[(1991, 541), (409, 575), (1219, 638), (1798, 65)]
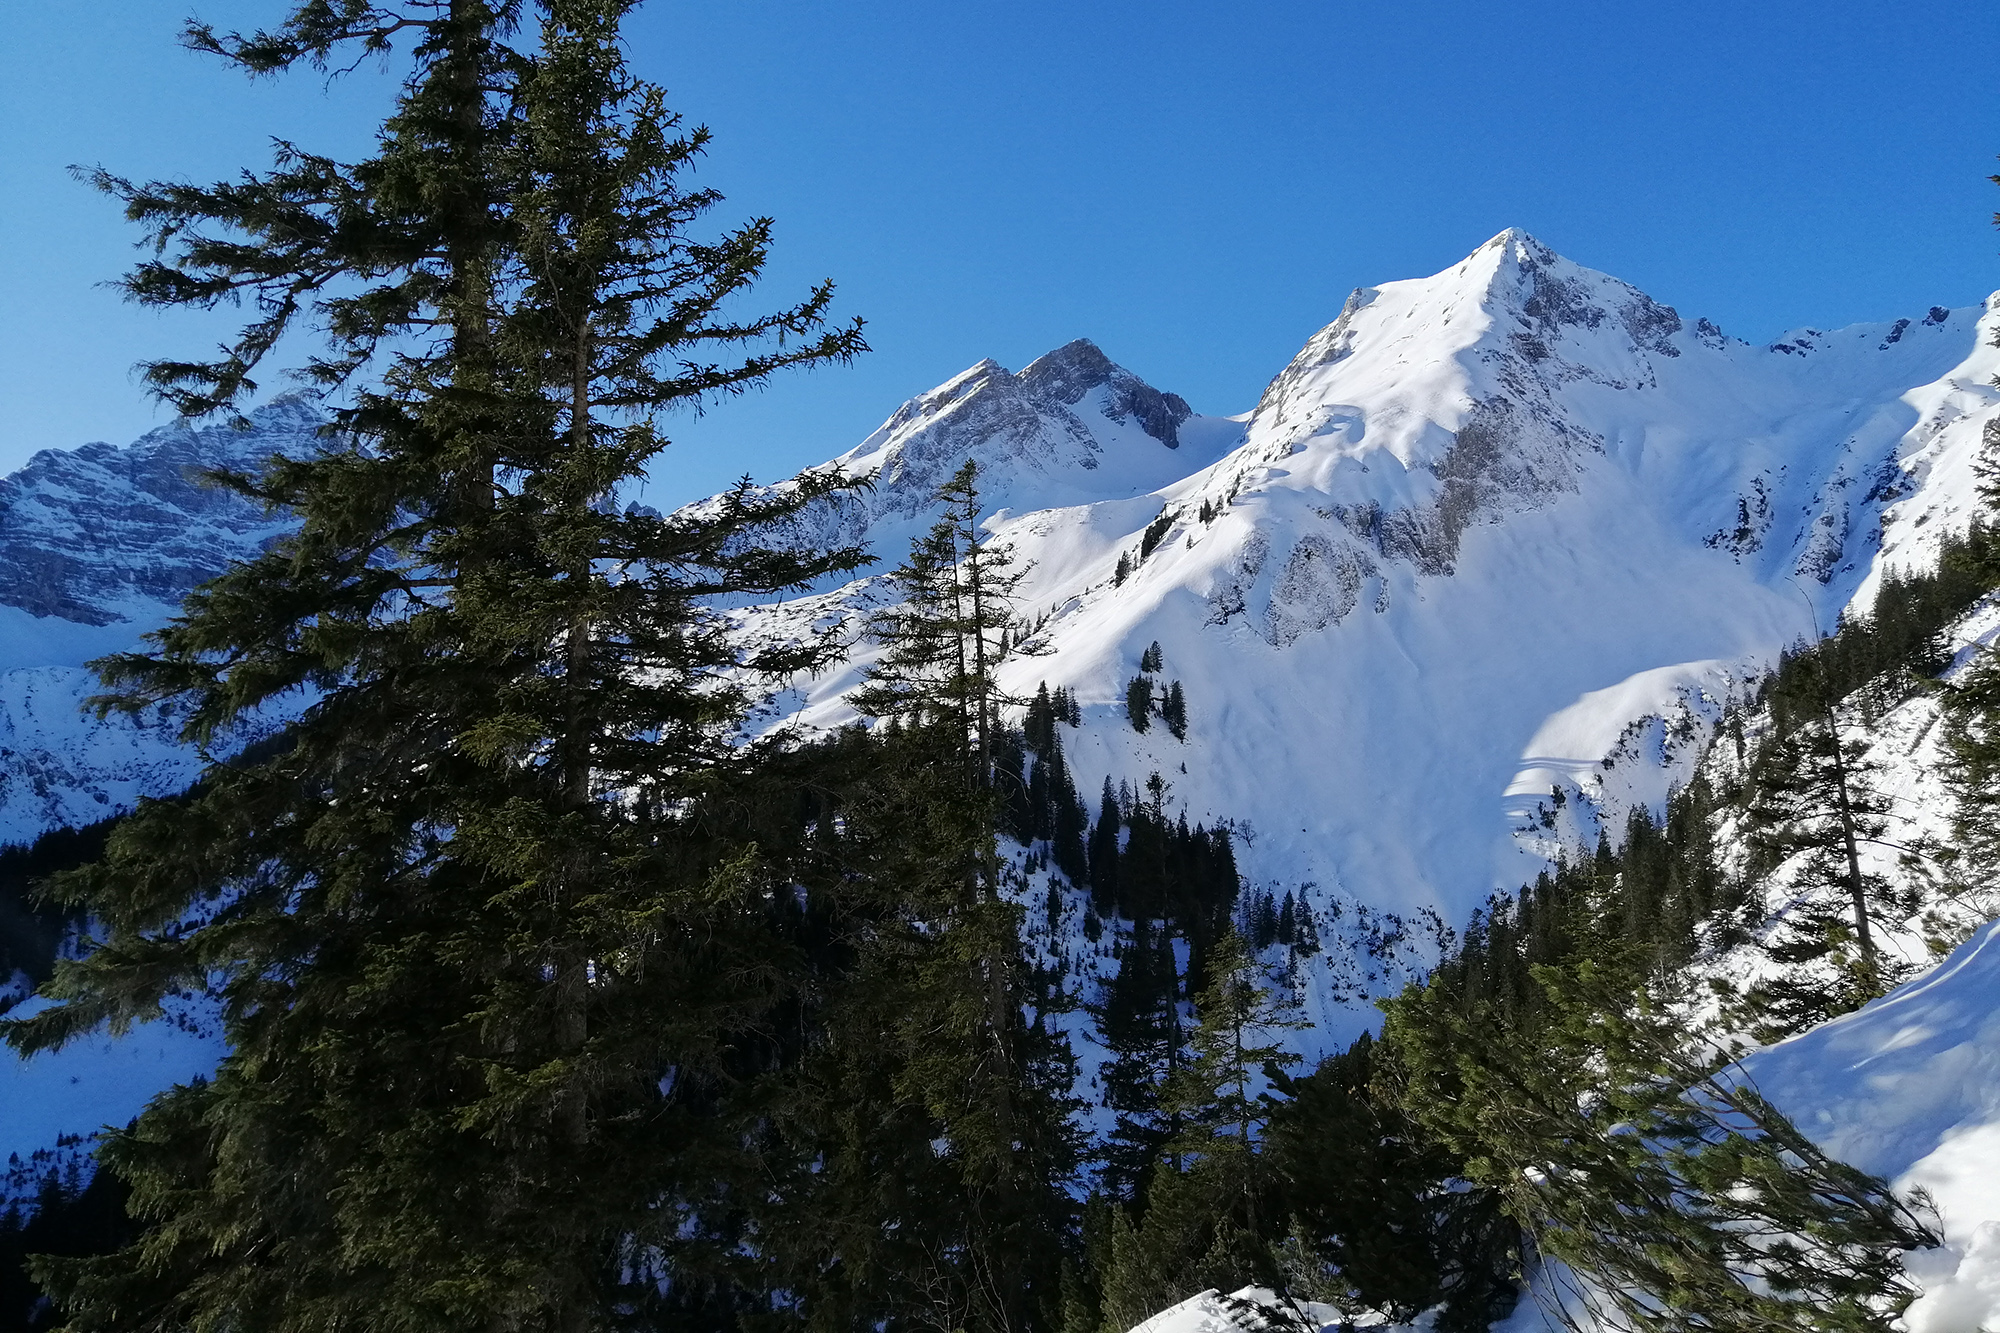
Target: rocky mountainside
[(1509, 528), (103, 534), (1512, 527), (97, 547)]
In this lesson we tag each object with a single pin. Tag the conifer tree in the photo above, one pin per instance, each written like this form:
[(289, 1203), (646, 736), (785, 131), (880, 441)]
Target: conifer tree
[(1105, 850), (975, 1089), (1680, 1197), (1378, 1215), (1173, 711), (493, 974), (1139, 1021), (1139, 703), (1973, 773), (1815, 800), (1208, 1202), (1973, 712), (1236, 1042)]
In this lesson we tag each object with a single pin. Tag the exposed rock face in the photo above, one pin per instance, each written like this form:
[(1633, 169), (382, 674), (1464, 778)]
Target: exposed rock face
[(84, 533), (1064, 376), (97, 546), (1072, 427)]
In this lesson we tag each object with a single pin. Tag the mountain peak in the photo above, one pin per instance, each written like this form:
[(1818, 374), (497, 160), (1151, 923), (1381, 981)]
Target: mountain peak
[(1517, 239), (88, 534), (1078, 363), (1059, 380)]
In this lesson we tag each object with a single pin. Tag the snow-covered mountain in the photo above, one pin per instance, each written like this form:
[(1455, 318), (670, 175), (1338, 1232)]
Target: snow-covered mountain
[(97, 548), (1509, 527)]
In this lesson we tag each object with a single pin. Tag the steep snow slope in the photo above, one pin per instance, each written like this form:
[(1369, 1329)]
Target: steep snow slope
[(1909, 1089), (1483, 523), (1489, 529)]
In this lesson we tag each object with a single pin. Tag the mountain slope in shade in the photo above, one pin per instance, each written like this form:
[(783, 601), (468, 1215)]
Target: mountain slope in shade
[(97, 547), (95, 535)]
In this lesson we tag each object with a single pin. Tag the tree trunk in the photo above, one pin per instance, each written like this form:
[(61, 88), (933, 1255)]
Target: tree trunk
[(1850, 841)]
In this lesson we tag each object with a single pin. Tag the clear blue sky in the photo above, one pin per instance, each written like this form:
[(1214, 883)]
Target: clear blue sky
[(1194, 186)]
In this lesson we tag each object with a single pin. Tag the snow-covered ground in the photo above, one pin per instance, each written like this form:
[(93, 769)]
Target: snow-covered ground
[(1488, 530), (1908, 1089), (98, 1081)]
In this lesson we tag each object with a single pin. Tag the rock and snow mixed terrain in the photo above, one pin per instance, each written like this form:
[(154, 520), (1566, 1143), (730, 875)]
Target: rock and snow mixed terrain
[(1489, 530), (97, 548), (1483, 524), (1510, 528)]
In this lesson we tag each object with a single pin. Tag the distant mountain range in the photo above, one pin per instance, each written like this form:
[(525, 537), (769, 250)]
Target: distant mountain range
[(1513, 527), (1478, 574)]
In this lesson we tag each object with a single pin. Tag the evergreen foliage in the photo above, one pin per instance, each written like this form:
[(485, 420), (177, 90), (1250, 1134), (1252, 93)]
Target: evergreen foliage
[(938, 1098), (1139, 703), (1662, 895), (1972, 713), (71, 1213), (1972, 738), (1373, 1217), (485, 896), (1139, 1021), (1044, 805), (1173, 711), (32, 929), (1899, 638), (1812, 800), (1679, 1197), (1815, 804), (1208, 1204), (552, 1006), (1537, 1057)]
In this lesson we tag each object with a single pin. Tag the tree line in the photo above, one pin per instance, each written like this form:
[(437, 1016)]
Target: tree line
[(552, 1004)]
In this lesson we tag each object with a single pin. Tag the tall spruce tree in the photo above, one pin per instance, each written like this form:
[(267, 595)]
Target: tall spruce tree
[(1209, 1206), (1816, 804), (1972, 705), (1139, 1020), (967, 1122), (493, 966)]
